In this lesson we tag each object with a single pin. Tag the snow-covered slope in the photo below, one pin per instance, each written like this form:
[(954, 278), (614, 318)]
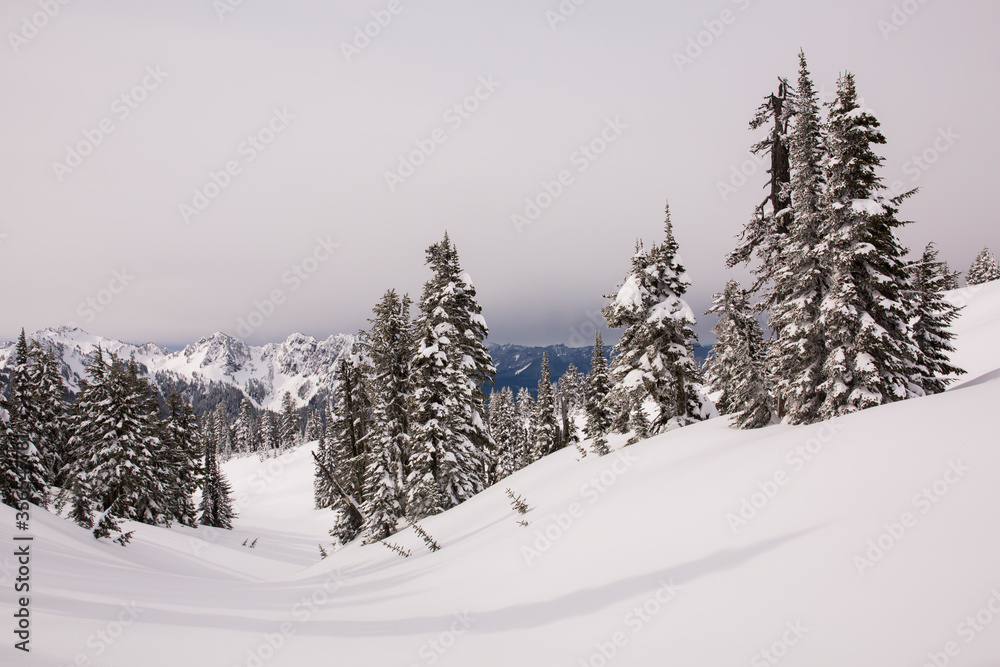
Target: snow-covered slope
[(872, 541), (301, 364)]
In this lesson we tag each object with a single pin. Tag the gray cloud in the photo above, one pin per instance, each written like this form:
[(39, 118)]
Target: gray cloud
[(204, 127)]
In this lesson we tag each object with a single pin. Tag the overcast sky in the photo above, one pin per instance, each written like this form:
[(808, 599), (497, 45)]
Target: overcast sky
[(116, 115)]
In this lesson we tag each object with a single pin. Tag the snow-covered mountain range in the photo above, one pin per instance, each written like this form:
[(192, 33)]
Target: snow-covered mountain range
[(210, 370), (223, 369)]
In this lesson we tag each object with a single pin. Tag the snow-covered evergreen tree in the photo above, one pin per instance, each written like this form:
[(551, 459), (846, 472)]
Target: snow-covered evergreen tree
[(598, 389), (142, 491), (573, 385), (314, 426), (222, 435), (93, 397), (984, 269), (525, 412), (451, 445), (291, 427), (765, 234), (864, 318), (655, 356), (932, 318), (117, 450), (638, 420), (27, 429), (10, 469), (389, 349), (216, 507), (182, 471), (546, 425), (245, 430), (49, 411), (736, 368), (348, 442), (797, 355), (269, 437), (508, 433)]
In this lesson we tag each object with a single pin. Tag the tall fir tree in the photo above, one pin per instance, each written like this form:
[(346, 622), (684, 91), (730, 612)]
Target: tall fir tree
[(93, 397), (291, 427), (26, 429), (870, 357), (314, 426), (389, 349), (222, 435), (798, 353), (216, 507), (245, 430), (507, 432), (765, 235), (10, 469), (933, 316), (524, 408), (736, 368), (269, 441), (451, 445), (49, 410), (182, 471), (655, 356), (573, 385), (349, 443), (984, 269), (546, 424), (117, 450), (598, 390)]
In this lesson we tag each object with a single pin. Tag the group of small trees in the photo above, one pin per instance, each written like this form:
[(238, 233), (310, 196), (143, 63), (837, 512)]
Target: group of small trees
[(408, 435), (112, 453), (527, 428), (264, 432), (984, 269), (854, 323)]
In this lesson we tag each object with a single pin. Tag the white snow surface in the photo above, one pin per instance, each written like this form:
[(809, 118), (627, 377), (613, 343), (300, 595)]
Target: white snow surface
[(608, 539)]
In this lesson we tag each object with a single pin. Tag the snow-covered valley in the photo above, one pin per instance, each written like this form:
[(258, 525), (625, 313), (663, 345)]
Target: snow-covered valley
[(869, 541)]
